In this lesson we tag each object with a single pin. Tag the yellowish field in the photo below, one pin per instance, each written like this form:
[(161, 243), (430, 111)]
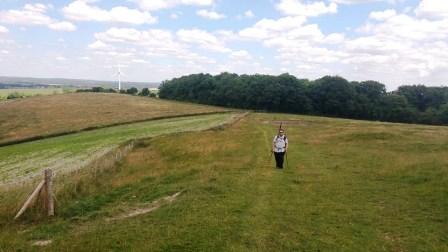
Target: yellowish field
[(30, 91), (36, 117)]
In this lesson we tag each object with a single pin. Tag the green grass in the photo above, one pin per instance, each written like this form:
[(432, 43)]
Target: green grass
[(73, 151), (348, 186), (32, 91)]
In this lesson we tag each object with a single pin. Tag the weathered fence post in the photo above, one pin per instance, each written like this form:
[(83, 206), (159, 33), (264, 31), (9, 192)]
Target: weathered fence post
[(49, 191), (30, 199), (47, 185)]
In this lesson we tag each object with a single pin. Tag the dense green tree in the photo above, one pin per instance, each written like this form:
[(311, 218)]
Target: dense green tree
[(333, 96), (416, 96), (144, 92), (443, 114), (132, 91), (97, 90), (395, 108), (330, 95)]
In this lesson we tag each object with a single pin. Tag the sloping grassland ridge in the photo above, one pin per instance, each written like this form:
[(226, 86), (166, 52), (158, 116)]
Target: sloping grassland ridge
[(40, 137)]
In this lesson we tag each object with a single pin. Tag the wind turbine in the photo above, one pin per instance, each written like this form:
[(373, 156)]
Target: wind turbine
[(119, 73)]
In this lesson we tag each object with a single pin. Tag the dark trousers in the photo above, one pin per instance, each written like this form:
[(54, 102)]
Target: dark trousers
[(279, 157)]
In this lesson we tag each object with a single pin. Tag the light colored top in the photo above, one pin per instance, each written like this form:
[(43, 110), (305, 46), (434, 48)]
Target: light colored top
[(280, 143)]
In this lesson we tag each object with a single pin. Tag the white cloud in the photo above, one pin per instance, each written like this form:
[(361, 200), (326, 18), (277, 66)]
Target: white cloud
[(400, 49), (407, 27), (227, 36), (268, 28), (432, 9), (175, 15), (300, 47), (241, 55), (30, 15), (34, 14), (202, 38), (38, 7), (249, 14), (99, 45), (153, 5), (81, 11), (210, 14), (382, 15), (62, 26), (139, 61), (307, 9), (365, 1), (334, 38), (3, 29), (396, 48), (159, 43), (354, 1)]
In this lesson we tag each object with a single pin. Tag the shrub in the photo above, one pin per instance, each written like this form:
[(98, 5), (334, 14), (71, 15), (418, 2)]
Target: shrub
[(15, 95), (132, 91)]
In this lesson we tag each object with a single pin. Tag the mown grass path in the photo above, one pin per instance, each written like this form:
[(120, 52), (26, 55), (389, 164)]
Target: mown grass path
[(349, 186)]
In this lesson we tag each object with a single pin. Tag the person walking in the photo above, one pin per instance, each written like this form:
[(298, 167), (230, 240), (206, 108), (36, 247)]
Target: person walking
[(280, 147)]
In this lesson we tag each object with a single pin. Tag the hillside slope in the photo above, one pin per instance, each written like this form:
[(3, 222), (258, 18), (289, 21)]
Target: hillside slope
[(49, 115), (66, 153), (348, 186)]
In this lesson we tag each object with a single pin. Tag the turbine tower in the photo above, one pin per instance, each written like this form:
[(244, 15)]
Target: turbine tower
[(119, 77)]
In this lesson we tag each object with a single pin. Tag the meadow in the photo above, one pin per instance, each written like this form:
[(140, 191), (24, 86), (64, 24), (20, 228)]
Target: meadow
[(43, 116), (348, 186), (27, 92)]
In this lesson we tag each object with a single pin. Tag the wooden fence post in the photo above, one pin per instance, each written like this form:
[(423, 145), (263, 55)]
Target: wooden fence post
[(30, 199), (47, 185), (49, 191)]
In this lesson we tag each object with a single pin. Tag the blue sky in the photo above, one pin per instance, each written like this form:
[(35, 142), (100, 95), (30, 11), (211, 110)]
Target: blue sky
[(393, 41)]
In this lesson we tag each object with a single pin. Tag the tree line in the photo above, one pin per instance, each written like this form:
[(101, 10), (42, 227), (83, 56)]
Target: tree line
[(129, 91), (328, 96)]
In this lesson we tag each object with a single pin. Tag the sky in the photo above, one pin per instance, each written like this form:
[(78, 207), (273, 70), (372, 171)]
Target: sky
[(396, 42)]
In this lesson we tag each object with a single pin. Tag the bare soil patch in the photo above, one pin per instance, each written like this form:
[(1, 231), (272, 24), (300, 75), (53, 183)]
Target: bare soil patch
[(147, 209), (42, 243)]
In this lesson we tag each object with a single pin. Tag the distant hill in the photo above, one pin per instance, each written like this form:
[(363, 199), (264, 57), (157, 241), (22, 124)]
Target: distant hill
[(41, 116), (26, 82)]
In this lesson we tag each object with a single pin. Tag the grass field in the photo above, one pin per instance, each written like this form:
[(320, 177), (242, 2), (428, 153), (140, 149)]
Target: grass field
[(31, 91), (71, 152), (49, 115), (348, 186)]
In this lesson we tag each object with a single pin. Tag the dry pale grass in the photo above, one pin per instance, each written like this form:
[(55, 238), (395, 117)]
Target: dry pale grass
[(51, 115)]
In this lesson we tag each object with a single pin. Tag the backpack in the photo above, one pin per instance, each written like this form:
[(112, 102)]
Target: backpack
[(284, 141)]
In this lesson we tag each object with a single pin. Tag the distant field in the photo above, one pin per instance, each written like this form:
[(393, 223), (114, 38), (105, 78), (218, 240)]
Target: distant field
[(48, 115), (348, 186), (31, 91)]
